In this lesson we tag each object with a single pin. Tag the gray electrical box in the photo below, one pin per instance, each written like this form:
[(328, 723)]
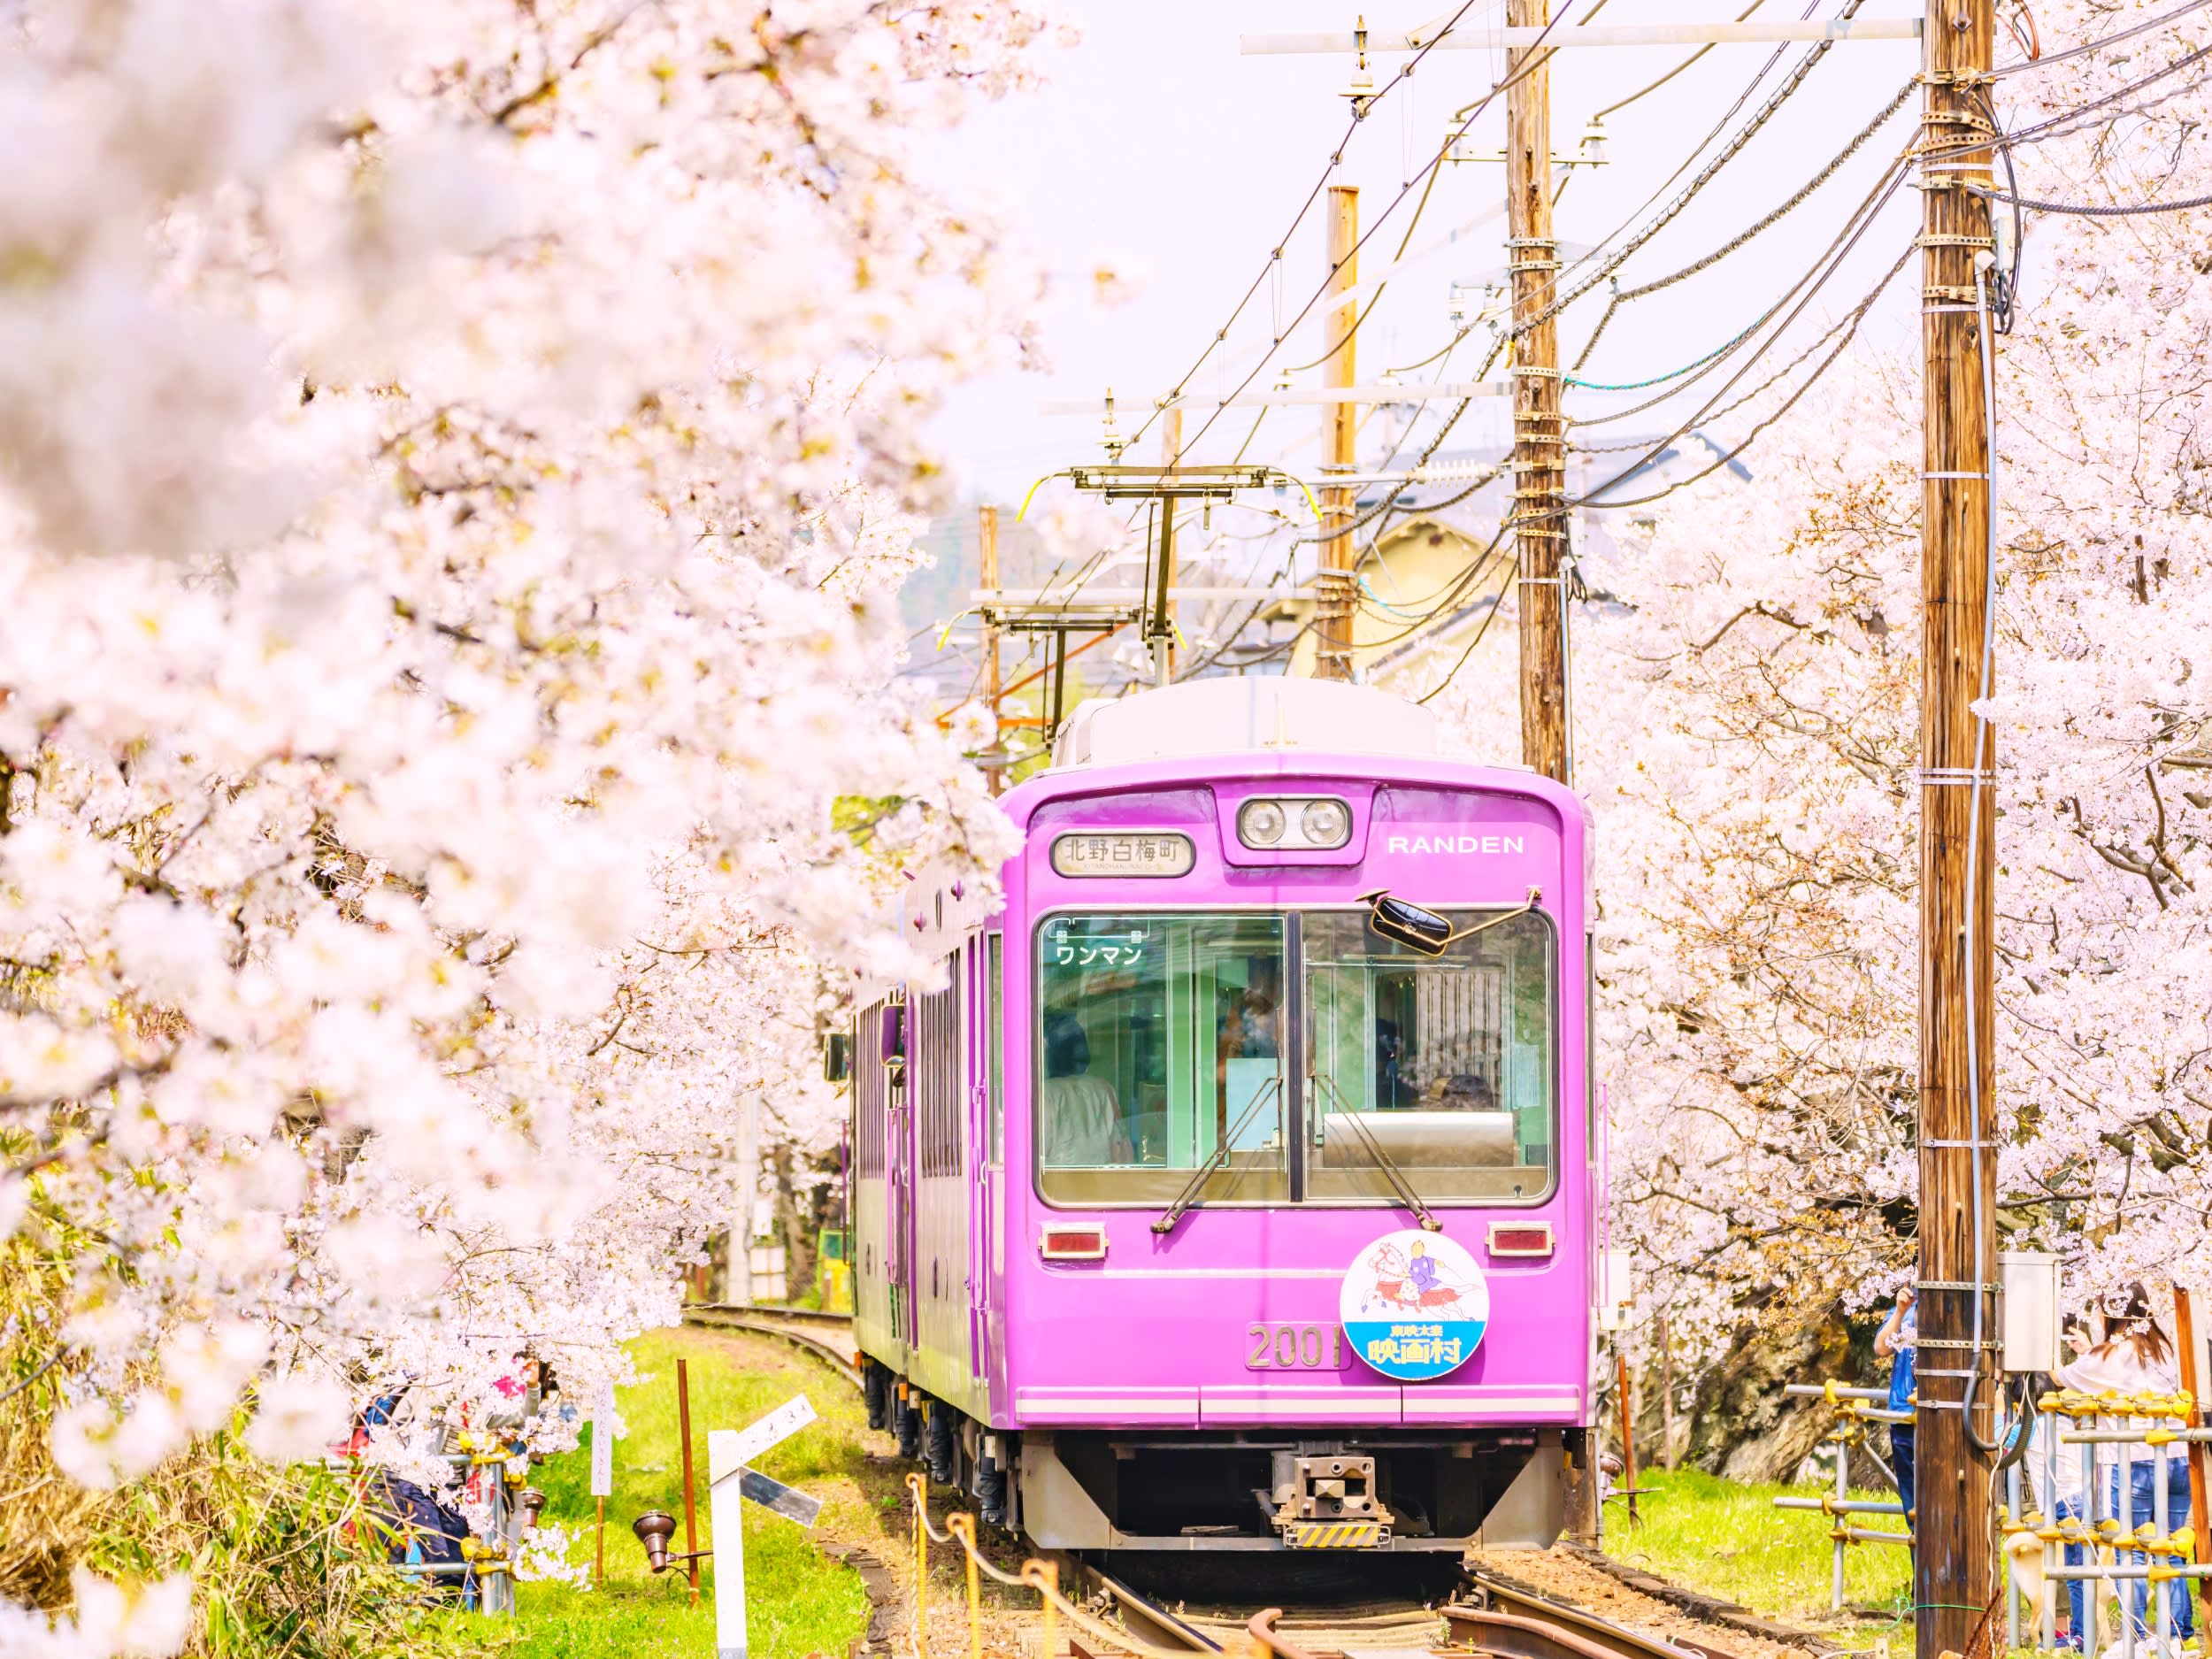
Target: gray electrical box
[(2029, 1311)]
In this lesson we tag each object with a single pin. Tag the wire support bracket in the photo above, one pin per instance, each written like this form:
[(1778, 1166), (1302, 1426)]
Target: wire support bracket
[(1987, 1344), (1532, 242), (1535, 370), (1952, 1284), (1955, 77), (1941, 239), (1949, 291), (1936, 778)]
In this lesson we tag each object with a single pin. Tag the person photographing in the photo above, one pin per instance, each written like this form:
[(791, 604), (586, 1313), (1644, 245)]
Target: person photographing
[(1895, 1342)]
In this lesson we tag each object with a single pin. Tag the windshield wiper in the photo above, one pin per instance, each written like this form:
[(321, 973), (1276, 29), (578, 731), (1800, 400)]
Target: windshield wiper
[(1188, 1196), (1395, 1176)]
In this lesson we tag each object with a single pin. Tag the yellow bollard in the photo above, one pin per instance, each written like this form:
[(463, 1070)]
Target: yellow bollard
[(921, 1561), (1044, 1576), (963, 1527)]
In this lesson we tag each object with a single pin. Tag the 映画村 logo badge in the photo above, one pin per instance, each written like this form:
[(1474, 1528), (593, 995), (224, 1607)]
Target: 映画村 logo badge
[(1414, 1305)]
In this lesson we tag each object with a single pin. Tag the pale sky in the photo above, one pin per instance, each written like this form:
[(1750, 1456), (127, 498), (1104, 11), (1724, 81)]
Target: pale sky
[(1158, 146)]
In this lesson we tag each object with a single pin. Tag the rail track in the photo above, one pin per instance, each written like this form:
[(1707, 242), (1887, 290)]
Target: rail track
[(827, 1336), (1493, 1615)]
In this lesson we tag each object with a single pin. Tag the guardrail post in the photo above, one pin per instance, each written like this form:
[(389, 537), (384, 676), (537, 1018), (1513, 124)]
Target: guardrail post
[(1843, 1495)]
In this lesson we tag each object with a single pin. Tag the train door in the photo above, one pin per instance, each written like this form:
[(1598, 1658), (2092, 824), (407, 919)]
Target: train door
[(982, 1004), (899, 1252)]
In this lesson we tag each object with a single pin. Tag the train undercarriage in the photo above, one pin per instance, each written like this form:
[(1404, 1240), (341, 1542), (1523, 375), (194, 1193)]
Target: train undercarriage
[(1249, 1489)]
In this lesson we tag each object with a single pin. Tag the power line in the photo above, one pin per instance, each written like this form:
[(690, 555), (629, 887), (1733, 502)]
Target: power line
[(1336, 158), (1671, 74), (1623, 297), (2089, 210), (2099, 45), (1856, 315)]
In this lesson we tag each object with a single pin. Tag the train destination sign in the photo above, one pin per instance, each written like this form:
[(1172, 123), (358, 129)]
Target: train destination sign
[(1123, 853), (1415, 1305)]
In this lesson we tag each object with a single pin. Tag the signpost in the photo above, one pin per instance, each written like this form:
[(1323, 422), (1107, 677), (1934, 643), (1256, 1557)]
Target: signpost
[(602, 1474), (729, 1485)]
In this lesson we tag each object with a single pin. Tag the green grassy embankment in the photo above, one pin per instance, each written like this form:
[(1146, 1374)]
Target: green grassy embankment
[(799, 1602), (1726, 1538)]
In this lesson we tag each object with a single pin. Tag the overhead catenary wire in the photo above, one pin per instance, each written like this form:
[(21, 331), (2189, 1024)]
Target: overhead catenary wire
[(1537, 56), (1623, 296), (1274, 259), (1666, 216), (1592, 498), (2091, 210), (2090, 47), (1849, 320), (1861, 216), (1647, 90)]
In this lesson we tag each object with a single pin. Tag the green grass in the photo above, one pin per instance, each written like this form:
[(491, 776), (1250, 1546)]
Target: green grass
[(1726, 1538), (798, 1602)]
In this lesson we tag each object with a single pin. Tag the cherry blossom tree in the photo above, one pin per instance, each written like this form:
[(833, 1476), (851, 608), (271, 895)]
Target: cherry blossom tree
[(1754, 771), (454, 463)]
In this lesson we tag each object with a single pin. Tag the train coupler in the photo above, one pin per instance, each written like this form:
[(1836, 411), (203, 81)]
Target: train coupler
[(1329, 1502)]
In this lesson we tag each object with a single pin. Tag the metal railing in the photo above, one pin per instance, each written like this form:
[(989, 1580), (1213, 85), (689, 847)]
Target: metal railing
[(1856, 1408), (2058, 1526), (2083, 1528)]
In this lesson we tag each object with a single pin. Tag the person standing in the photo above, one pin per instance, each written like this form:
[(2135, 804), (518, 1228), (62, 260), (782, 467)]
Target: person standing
[(2137, 1357), (1895, 1342)]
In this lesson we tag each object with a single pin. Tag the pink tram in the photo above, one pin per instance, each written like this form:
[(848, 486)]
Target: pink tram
[(1240, 1187)]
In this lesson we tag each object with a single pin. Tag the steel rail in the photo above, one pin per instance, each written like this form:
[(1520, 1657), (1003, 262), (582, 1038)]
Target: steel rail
[(826, 1336), (1149, 1622), (1587, 1635)]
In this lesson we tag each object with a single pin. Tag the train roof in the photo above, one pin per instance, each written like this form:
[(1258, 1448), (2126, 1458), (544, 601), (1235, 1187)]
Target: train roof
[(1242, 714)]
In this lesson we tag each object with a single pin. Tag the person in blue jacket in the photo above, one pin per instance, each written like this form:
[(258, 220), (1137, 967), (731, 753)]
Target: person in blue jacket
[(1894, 1341)]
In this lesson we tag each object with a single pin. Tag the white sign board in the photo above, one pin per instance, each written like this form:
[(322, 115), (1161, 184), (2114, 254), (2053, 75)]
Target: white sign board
[(728, 1451), (603, 1444)]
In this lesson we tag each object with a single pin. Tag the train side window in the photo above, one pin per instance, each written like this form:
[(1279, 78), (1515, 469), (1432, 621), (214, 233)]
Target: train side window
[(1159, 1053), (994, 1039), (868, 1092), (1438, 1071), (933, 1068)]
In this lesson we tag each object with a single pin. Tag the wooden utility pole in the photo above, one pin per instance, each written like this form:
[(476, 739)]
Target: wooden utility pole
[(1954, 1560), (987, 573), (1334, 582), (1540, 438), (1171, 454)]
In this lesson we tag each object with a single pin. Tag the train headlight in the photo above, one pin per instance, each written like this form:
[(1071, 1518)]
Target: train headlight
[(1294, 823), (1262, 823), (1325, 824)]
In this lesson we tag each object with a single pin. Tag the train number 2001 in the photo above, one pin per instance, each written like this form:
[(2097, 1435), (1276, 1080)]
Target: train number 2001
[(1294, 1347)]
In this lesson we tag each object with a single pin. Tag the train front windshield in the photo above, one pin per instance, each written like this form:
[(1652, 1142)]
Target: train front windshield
[(1299, 1057)]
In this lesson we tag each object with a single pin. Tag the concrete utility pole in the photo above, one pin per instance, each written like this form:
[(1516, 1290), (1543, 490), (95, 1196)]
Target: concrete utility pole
[(1539, 439), (1171, 454), (987, 574), (1334, 581), (1953, 1565)]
